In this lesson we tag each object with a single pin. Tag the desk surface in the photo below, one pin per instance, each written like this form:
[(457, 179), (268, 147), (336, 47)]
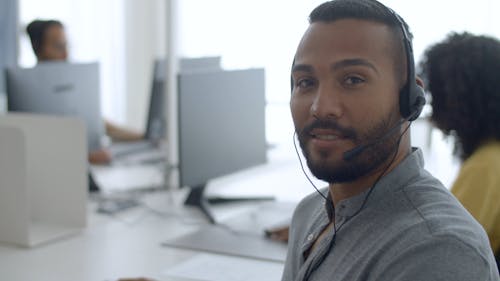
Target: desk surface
[(124, 245), (128, 244)]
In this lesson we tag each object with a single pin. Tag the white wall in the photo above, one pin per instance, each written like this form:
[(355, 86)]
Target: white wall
[(431, 20), (145, 31)]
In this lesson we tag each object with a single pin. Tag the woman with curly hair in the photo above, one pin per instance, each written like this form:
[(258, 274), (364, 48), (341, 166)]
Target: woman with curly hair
[(462, 74)]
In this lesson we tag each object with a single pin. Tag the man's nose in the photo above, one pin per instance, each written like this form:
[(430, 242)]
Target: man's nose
[(327, 103)]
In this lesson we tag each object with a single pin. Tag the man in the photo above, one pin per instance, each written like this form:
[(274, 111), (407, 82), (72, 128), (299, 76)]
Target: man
[(462, 73), (48, 40), (383, 217)]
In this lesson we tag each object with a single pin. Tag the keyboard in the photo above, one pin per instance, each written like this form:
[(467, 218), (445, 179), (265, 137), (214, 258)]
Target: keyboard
[(114, 205), (121, 149)]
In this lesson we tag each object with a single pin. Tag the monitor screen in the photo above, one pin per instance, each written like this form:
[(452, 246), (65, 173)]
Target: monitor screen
[(59, 88), (221, 123)]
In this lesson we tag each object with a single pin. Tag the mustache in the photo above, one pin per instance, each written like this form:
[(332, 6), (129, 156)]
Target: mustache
[(327, 124)]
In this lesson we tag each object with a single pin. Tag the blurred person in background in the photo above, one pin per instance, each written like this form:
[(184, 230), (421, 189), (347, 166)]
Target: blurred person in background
[(49, 43), (462, 76)]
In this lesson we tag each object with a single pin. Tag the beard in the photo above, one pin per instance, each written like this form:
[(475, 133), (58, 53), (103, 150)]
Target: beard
[(371, 158)]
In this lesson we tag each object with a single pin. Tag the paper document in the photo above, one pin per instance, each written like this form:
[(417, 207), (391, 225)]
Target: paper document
[(126, 178), (208, 267)]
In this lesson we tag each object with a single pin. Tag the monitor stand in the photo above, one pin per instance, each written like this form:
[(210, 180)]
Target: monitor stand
[(196, 198)]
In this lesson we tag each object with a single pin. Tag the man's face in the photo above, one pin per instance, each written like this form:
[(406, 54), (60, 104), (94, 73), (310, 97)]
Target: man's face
[(345, 94), (54, 45)]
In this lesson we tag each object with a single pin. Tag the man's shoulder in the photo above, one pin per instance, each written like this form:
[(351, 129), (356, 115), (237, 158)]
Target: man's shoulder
[(429, 230), (439, 218), (438, 258), (439, 211)]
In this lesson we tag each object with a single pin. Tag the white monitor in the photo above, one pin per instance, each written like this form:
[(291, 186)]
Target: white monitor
[(59, 88)]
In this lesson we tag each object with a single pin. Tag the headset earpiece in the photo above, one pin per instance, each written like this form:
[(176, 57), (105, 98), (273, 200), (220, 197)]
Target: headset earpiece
[(412, 96), (411, 101), (417, 100)]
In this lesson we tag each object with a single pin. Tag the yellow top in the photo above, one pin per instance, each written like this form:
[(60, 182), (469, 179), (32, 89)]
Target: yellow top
[(477, 187)]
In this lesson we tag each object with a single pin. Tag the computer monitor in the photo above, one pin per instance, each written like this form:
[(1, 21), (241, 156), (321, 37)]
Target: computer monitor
[(221, 127), (200, 64), (156, 123), (59, 88)]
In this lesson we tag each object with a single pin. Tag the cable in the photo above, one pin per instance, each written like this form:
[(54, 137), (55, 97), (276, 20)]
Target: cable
[(374, 184), (304, 171)]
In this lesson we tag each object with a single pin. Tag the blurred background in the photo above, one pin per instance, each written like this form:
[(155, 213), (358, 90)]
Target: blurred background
[(126, 36)]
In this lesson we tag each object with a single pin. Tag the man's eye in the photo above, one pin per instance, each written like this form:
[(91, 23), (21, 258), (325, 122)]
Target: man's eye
[(304, 83), (353, 80)]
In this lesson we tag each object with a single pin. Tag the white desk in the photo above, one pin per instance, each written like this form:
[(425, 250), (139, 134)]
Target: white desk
[(111, 247), (128, 245), (124, 245)]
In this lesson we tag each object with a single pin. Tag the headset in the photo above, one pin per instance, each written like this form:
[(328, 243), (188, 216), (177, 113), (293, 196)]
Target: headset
[(411, 96)]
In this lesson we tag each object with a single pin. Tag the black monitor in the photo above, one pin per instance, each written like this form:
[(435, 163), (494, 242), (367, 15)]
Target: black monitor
[(155, 123), (221, 127), (59, 88)]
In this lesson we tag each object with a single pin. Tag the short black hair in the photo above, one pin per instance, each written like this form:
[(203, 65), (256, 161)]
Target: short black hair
[(36, 31), (370, 10), (462, 77)]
